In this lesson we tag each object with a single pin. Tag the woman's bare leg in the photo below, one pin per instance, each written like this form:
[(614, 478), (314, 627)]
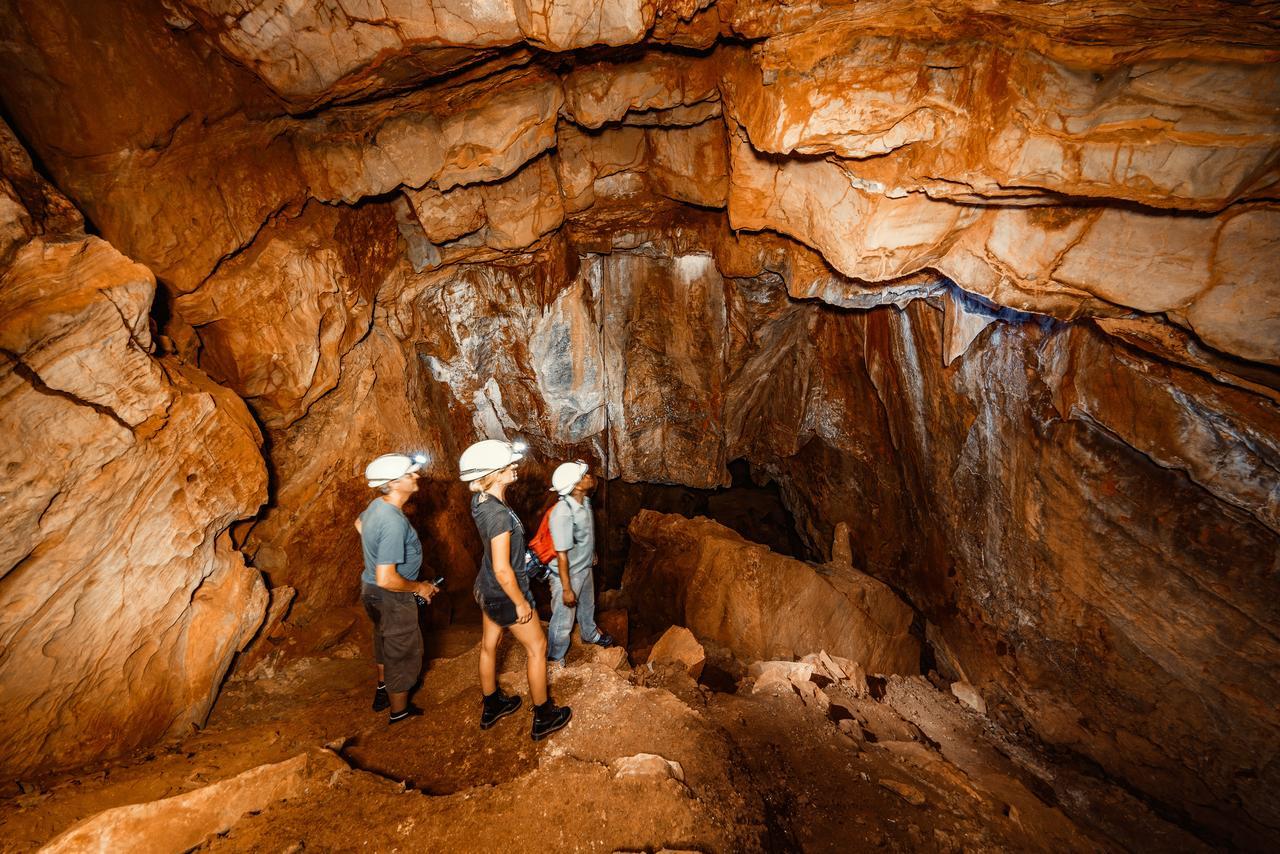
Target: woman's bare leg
[(534, 641), (492, 633)]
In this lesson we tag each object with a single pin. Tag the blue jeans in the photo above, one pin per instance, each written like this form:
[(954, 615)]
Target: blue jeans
[(561, 626)]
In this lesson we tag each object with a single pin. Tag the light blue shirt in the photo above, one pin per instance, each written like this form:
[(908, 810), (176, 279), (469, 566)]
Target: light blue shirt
[(574, 531)]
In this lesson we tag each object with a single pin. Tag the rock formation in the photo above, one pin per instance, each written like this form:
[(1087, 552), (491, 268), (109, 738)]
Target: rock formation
[(989, 283), (122, 598), (758, 604)]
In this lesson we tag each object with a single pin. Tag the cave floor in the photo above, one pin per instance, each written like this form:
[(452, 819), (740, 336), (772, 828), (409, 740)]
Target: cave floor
[(757, 771)]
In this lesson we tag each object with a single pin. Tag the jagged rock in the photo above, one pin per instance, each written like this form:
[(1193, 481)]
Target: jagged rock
[(1033, 484), (325, 266), (1045, 124), (848, 674), (1037, 448), (969, 696), (678, 646), (123, 600), (513, 213), (316, 49), (759, 604), (606, 92), (307, 539), (185, 821)]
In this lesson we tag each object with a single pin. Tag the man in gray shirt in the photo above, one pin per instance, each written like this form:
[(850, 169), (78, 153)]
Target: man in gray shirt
[(573, 591), (389, 583)]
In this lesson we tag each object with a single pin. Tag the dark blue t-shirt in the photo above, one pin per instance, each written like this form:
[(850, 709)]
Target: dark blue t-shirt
[(494, 518), (387, 537)]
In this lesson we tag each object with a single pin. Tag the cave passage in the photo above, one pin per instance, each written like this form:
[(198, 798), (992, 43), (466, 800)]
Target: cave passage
[(754, 511)]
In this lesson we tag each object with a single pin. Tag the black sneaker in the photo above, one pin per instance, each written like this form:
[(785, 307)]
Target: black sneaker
[(380, 699), (605, 640), (548, 718), (409, 711), (500, 706)]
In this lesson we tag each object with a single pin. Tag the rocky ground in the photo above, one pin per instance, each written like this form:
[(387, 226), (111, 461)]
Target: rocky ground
[(771, 757)]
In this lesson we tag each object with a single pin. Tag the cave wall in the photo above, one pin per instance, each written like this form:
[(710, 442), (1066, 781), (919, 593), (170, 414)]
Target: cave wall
[(991, 283), (122, 599), (1094, 545)]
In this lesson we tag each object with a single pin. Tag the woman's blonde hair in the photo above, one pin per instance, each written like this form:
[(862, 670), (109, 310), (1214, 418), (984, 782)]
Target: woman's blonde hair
[(485, 482)]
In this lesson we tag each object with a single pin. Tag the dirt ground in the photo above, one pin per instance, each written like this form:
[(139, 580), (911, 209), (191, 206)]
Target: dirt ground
[(739, 770)]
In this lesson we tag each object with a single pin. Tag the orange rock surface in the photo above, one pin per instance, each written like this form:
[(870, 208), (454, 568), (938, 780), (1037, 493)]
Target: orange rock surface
[(122, 600)]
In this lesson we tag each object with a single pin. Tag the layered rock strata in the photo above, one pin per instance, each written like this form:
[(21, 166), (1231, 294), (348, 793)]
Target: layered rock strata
[(122, 600)]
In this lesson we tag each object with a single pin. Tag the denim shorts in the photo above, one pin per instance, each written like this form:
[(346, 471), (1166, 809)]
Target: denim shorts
[(499, 608)]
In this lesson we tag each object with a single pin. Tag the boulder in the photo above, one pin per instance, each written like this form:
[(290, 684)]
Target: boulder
[(762, 605), (969, 696), (678, 646), (646, 765)]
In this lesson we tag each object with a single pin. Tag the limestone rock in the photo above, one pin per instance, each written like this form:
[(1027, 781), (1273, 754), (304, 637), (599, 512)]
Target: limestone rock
[(771, 676), (759, 604), (646, 765), (123, 600), (1127, 130), (317, 49), (1072, 450), (325, 266), (848, 674), (606, 92), (969, 696), (678, 646), (513, 213), (307, 538), (185, 821)]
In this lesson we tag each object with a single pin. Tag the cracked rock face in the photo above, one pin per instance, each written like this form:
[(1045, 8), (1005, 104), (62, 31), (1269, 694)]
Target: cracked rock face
[(122, 599), (991, 284)]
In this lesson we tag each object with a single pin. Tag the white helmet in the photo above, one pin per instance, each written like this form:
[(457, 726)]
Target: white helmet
[(389, 467), (486, 457), (567, 476)]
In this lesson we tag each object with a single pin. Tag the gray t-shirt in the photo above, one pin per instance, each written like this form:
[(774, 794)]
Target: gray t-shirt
[(387, 537), (494, 518)]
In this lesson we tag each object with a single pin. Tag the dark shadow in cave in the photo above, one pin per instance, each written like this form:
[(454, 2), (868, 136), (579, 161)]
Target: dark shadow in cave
[(754, 511)]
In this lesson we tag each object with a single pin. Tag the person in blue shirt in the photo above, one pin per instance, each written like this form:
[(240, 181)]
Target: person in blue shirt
[(573, 587), (389, 583)]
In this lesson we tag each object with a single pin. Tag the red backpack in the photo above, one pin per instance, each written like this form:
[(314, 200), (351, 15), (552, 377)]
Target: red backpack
[(543, 547)]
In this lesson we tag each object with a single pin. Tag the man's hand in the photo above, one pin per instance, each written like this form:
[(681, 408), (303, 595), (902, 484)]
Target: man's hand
[(570, 600), (523, 612), (427, 590)]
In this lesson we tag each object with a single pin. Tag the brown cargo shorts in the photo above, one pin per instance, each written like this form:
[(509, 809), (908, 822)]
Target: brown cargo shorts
[(397, 640)]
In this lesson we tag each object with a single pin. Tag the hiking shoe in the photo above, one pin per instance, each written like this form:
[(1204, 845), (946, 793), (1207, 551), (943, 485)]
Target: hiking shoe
[(493, 711), (380, 699), (409, 711), (548, 718), (605, 640)]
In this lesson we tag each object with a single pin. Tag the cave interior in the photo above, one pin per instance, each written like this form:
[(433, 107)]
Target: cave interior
[(928, 354)]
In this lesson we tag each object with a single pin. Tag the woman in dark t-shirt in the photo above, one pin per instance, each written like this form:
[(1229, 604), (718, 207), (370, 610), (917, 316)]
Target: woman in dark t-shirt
[(502, 588)]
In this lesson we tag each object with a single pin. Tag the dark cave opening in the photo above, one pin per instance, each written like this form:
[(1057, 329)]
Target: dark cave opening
[(755, 511)]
